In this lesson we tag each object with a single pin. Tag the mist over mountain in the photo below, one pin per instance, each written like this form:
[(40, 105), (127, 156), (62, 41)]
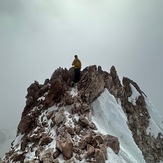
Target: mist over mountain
[(99, 119)]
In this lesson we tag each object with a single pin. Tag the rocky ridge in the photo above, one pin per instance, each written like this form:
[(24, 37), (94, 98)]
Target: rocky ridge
[(56, 121)]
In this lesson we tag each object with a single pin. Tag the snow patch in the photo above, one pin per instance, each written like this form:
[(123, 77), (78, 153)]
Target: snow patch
[(134, 96), (155, 123), (74, 91), (109, 118), (54, 107)]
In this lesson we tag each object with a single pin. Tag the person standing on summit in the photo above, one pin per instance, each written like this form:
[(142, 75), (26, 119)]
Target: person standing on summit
[(77, 67)]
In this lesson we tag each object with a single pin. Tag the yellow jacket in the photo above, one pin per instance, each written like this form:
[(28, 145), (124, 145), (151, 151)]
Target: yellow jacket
[(76, 63)]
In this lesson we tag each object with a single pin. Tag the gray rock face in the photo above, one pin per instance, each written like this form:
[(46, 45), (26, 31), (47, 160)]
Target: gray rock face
[(91, 84)]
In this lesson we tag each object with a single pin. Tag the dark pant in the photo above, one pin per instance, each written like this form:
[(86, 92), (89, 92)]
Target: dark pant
[(76, 75)]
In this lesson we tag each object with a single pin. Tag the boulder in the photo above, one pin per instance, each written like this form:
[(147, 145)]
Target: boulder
[(85, 140), (59, 118), (45, 140), (99, 156), (26, 124), (112, 142), (103, 148), (83, 121), (67, 147), (90, 151)]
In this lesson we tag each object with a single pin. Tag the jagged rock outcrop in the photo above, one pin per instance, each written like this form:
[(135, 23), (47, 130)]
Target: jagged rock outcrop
[(91, 84), (49, 128), (138, 118), (57, 123), (137, 114)]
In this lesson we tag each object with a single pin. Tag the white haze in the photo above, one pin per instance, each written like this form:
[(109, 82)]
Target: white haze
[(38, 36)]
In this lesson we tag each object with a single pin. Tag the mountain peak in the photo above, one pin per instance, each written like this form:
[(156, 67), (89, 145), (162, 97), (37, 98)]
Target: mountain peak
[(57, 123)]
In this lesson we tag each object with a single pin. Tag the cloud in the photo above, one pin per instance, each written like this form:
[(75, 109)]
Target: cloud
[(40, 35), (2, 137)]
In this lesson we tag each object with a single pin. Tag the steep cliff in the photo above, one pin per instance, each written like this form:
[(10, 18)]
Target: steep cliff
[(57, 122)]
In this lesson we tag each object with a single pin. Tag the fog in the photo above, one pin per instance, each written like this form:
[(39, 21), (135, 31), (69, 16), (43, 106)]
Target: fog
[(38, 36)]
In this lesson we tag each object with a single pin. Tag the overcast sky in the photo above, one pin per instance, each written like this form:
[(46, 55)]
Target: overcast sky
[(38, 36)]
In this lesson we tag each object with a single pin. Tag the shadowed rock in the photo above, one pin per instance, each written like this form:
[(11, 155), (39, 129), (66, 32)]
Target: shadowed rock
[(99, 155), (112, 142)]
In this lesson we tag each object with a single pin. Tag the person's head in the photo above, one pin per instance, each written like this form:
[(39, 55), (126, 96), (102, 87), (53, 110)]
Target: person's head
[(75, 56)]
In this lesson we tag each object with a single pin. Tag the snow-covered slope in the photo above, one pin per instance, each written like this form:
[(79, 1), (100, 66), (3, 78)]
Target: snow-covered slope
[(155, 122), (155, 125), (110, 118), (98, 120)]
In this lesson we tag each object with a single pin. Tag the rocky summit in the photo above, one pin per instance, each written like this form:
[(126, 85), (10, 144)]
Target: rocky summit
[(56, 124)]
